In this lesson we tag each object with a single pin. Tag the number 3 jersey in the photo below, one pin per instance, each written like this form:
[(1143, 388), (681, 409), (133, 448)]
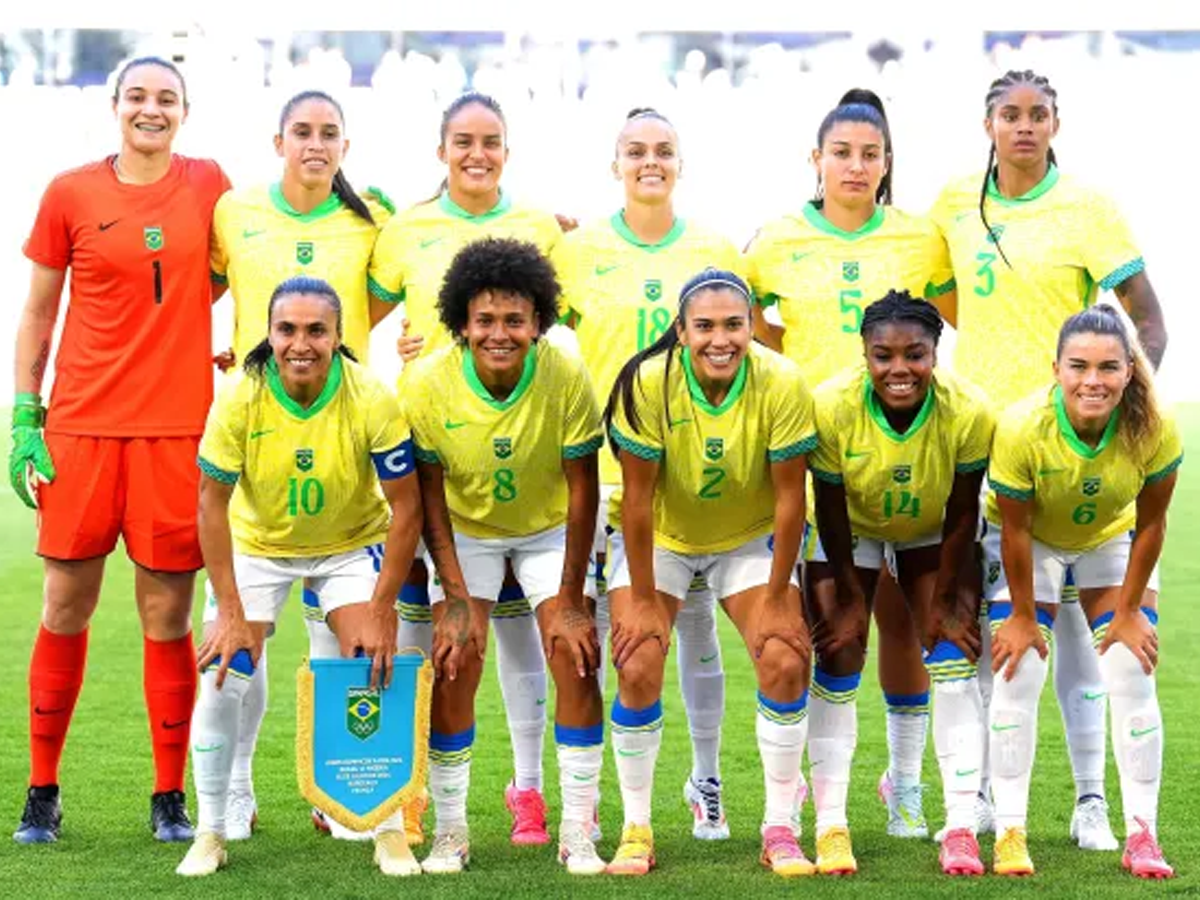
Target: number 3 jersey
[(622, 293), (307, 479), (897, 484), (714, 490), (1083, 496), (502, 460)]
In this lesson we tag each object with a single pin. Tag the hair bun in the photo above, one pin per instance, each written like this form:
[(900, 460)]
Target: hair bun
[(865, 97)]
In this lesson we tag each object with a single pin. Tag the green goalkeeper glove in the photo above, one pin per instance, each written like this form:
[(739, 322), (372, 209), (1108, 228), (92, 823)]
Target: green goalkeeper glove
[(29, 463)]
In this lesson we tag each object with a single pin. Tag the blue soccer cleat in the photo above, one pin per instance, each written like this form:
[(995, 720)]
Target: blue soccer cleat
[(42, 819), (169, 817)]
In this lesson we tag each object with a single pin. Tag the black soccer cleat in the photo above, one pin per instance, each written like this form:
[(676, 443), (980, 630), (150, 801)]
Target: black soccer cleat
[(42, 819), (169, 817)]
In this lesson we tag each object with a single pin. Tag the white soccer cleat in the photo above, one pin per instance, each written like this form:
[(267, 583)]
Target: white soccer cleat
[(241, 815), (393, 855), (340, 832), (206, 855), (906, 815), (1089, 825), (708, 813), (576, 850), (451, 852)]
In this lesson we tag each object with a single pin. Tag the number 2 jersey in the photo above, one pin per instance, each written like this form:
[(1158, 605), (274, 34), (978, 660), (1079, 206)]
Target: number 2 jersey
[(714, 490), (1062, 241), (822, 278), (1083, 496), (897, 484), (307, 479), (135, 359), (502, 460), (623, 293)]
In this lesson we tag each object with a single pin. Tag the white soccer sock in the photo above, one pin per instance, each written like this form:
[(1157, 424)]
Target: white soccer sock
[(986, 681), (254, 708), (832, 738), (958, 740), (394, 822), (580, 755), (1137, 733), (415, 634), (1081, 697), (781, 729), (521, 666), (450, 777), (215, 724), (701, 680), (636, 739), (907, 726), (603, 625), (1013, 737), (322, 642)]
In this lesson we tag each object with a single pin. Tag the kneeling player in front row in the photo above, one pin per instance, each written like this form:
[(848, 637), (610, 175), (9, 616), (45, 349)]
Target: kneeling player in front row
[(506, 431), (1081, 475), (901, 456), (290, 460), (711, 431)]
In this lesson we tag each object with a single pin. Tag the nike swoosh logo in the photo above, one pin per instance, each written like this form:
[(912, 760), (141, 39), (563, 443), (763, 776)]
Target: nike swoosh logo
[(623, 752), (579, 777), (963, 215), (855, 454), (679, 422), (1042, 472), (171, 726), (450, 791), (604, 270), (796, 257), (705, 659), (104, 226), (1004, 727), (1096, 695), (450, 426), (209, 749), (249, 233), (541, 702), (49, 712), (1142, 732), (429, 242), (963, 773), (254, 435)]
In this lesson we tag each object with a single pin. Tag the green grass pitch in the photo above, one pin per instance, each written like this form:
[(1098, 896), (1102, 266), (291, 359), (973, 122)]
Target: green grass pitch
[(106, 848)]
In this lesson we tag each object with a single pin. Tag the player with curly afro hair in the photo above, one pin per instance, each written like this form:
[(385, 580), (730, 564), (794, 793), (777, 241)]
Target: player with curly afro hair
[(498, 266)]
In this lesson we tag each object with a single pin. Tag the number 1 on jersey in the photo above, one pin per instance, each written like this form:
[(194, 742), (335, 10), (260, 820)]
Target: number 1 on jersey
[(653, 326)]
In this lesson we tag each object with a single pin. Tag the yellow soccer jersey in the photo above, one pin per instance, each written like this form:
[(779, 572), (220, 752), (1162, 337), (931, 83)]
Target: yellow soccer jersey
[(417, 246), (1063, 240), (260, 241), (1083, 496), (622, 294), (307, 479), (714, 490), (823, 277), (502, 460), (896, 484)]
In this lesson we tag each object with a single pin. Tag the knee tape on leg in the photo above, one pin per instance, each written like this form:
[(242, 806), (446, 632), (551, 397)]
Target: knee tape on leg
[(1137, 720), (525, 701)]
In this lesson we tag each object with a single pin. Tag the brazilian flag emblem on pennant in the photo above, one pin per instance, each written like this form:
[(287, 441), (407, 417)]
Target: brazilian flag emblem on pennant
[(850, 271), (304, 459), (714, 448), (502, 447), (902, 474), (1091, 486), (304, 252), (653, 289), (362, 712), (153, 236)]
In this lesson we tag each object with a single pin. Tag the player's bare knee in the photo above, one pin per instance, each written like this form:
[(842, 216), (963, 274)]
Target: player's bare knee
[(781, 670), (641, 677), (845, 661)]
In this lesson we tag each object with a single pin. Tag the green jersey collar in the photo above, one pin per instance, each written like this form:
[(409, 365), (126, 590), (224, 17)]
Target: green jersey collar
[(1067, 430), (875, 410), (450, 208), (697, 392), (484, 394), (332, 382), (330, 204), (1033, 193), (621, 227), (818, 221)]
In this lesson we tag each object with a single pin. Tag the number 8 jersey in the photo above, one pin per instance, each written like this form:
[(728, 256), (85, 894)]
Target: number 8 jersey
[(502, 459), (307, 479)]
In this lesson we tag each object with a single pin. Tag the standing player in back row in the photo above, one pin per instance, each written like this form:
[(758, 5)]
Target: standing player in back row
[(411, 257), (849, 244), (618, 276), (117, 454), (1031, 247)]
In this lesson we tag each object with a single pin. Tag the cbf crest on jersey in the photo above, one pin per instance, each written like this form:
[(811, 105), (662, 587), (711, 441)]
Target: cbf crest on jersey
[(304, 252), (304, 459), (362, 712), (153, 235), (714, 448), (502, 447), (1091, 486), (995, 233), (902, 474), (653, 289), (850, 271)]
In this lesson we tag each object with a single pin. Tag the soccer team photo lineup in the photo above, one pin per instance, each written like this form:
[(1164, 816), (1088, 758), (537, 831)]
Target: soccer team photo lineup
[(601, 431)]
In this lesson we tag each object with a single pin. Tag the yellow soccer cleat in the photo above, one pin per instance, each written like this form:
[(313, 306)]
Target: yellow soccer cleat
[(782, 854), (393, 856), (206, 855), (635, 856), (413, 813), (1012, 854), (835, 856)]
